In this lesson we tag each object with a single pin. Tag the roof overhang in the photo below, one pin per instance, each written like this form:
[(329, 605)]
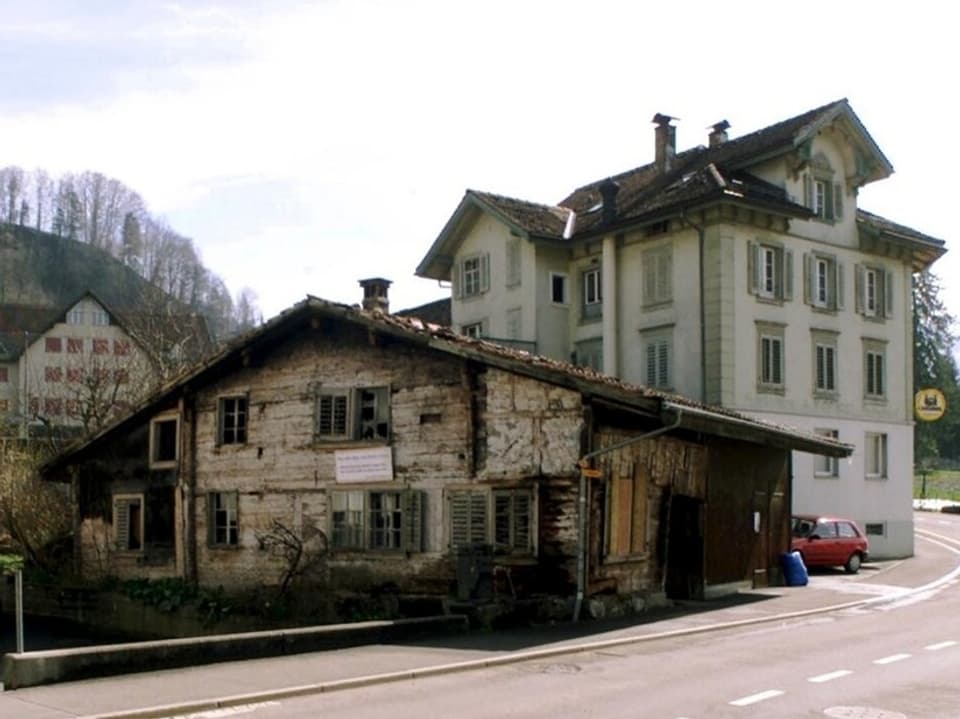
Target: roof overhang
[(919, 251)]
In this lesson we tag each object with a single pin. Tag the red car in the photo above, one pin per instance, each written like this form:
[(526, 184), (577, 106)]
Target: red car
[(829, 542)]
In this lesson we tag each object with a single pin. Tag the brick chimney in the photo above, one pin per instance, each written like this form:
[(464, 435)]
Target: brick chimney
[(375, 294), (608, 196), (718, 133), (665, 135)]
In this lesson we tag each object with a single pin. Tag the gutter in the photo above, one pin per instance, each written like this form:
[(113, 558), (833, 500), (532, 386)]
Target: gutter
[(582, 501)]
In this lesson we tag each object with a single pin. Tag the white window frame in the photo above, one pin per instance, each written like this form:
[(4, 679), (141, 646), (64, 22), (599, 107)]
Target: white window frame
[(514, 260), (825, 367), (767, 257), (874, 370), (562, 281), (514, 323), (769, 271), (771, 362), (874, 292), (589, 353), (473, 275), (592, 288), (825, 466), (76, 316), (875, 455), (472, 329)]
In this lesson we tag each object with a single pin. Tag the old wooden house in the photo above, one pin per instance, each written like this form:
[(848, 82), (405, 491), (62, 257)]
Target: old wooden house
[(393, 455)]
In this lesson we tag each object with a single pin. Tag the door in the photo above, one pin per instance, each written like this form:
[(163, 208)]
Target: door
[(684, 570)]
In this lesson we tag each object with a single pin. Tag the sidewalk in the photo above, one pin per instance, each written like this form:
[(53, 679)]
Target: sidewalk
[(234, 683)]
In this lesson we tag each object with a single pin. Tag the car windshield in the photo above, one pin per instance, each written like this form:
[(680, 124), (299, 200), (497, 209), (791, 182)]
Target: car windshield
[(802, 527)]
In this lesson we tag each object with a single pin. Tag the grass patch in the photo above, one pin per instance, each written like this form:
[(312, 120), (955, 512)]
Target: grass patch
[(941, 484)]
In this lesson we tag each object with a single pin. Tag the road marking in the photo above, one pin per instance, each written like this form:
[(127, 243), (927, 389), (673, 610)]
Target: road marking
[(830, 676), (891, 659), (754, 698), (941, 645)]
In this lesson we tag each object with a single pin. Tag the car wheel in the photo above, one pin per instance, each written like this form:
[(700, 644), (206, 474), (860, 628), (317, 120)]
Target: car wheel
[(853, 564)]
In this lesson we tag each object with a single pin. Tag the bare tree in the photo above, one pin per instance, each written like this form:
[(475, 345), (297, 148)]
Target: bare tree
[(301, 552)]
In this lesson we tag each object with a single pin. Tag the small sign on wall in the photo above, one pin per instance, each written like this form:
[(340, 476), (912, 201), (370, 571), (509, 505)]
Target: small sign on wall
[(364, 465)]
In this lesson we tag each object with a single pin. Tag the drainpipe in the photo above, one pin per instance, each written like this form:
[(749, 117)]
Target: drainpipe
[(608, 289), (703, 312), (582, 502)]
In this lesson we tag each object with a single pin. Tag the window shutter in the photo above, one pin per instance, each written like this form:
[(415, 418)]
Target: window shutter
[(808, 192), (753, 267), (649, 280), (121, 522), (665, 267), (858, 289), (468, 518), (456, 279), (838, 299), (652, 364), (828, 196), (838, 200), (888, 293), (485, 272), (412, 512), (787, 292), (809, 291), (522, 516), (776, 347), (663, 364)]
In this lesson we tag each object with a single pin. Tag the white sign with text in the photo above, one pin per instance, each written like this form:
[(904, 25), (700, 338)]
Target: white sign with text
[(364, 465)]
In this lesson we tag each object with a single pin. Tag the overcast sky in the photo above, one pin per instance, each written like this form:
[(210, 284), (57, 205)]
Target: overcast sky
[(306, 145)]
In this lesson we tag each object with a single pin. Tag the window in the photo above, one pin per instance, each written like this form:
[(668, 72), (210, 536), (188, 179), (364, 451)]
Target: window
[(514, 323), (4, 375), (75, 316), (770, 357), (511, 531), (474, 329), (53, 374), (377, 520), (52, 344), (163, 441), (4, 405), (472, 276), (874, 289), (822, 195), (657, 355), (232, 415), (101, 346), (657, 275), (75, 345), (514, 274), (223, 528), (121, 348), (558, 288), (874, 369), (99, 317), (823, 465), (74, 374), (824, 363), (128, 522), (589, 353), (52, 406), (875, 460), (354, 414), (592, 296), (823, 282), (875, 529), (769, 271)]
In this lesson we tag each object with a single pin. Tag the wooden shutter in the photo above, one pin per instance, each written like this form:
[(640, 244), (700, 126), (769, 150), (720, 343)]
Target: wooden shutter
[(485, 272), (651, 364), (888, 293), (649, 280), (858, 289), (753, 267), (787, 289), (838, 200), (522, 517), (665, 275), (468, 518), (412, 512), (808, 192), (809, 279), (841, 291), (121, 522)]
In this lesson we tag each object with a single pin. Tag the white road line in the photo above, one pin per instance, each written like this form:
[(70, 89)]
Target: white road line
[(754, 698), (941, 645), (891, 659), (829, 677)]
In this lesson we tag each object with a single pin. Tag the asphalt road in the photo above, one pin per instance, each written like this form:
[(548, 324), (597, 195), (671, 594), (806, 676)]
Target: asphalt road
[(890, 658)]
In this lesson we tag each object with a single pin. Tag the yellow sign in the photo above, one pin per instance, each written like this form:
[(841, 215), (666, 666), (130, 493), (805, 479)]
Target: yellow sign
[(592, 473), (929, 404)]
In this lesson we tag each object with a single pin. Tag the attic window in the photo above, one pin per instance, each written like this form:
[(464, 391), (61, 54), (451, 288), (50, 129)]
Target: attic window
[(658, 228), (163, 441), (821, 194)]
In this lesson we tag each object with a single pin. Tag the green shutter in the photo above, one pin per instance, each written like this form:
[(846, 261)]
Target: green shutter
[(838, 272), (485, 272), (787, 292), (412, 510), (468, 518), (858, 288), (888, 293), (753, 267), (838, 200), (809, 291)]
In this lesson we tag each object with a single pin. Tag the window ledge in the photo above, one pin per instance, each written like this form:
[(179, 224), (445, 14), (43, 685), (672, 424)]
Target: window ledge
[(826, 395), (824, 475), (656, 305), (225, 547), (778, 390), (321, 443), (824, 309), (627, 559)]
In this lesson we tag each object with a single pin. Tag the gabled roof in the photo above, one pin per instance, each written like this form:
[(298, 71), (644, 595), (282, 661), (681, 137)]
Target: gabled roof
[(696, 177), (922, 250), (302, 316)]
